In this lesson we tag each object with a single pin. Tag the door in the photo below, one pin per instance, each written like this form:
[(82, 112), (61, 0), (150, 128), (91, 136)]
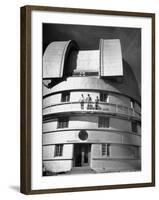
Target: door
[(82, 155)]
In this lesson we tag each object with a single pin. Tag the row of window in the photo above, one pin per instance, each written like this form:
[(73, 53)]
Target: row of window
[(103, 122), (59, 150), (65, 97), (105, 150)]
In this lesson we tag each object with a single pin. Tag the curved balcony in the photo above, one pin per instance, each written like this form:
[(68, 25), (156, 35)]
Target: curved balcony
[(103, 108)]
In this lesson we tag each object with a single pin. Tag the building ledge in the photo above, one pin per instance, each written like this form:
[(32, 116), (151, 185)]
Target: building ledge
[(95, 129), (103, 108)]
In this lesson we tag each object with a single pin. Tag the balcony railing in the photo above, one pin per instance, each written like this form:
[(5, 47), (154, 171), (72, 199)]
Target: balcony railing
[(92, 107)]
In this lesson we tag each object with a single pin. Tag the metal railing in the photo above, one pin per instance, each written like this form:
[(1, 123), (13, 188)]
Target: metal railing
[(102, 107)]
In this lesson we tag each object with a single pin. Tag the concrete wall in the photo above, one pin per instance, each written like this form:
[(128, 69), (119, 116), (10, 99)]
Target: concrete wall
[(116, 151), (57, 164), (119, 99), (122, 158), (124, 145), (91, 122), (49, 152), (93, 137), (119, 124), (115, 165), (76, 95), (50, 126), (53, 99), (128, 87)]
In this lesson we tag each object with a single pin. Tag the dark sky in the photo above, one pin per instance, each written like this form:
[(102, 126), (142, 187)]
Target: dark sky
[(87, 37)]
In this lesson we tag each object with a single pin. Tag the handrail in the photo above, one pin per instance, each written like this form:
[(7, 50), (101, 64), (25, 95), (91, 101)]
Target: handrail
[(118, 107), (78, 102)]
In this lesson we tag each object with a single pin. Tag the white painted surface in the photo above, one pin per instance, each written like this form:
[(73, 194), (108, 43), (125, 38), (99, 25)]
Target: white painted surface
[(128, 87), (53, 59), (119, 99), (10, 170), (93, 137), (49, 152), (89, 122), (76, 95), (88, 61), (111, 58), (58, 166), (53, 99)]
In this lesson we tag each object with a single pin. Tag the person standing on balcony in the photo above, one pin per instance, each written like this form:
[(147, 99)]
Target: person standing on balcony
[(96, 102), (89, 101), (82, 101)]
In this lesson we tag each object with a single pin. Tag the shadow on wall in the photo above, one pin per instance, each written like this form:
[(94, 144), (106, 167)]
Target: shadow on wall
[(15, 188)]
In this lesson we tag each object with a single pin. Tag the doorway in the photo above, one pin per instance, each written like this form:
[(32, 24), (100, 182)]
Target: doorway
[(82, 155)]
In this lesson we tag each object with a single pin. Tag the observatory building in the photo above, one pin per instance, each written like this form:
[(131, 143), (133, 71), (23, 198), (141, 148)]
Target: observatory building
[(91, 110)]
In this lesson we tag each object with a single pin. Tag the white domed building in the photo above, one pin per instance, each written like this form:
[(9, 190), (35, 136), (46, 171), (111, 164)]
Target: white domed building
[(91, 110)]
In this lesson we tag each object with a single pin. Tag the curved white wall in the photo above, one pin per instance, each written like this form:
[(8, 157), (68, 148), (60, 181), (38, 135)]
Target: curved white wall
[(90, 122)]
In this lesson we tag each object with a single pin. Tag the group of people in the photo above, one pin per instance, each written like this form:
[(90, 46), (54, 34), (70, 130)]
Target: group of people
[(89, 102)]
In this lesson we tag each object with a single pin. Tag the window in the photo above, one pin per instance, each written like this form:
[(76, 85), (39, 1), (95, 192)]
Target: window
[(63, 122), (84, 73), (103, 122), (103, 97), (65, 97), (106, 150), (134, 127), (58, 149)]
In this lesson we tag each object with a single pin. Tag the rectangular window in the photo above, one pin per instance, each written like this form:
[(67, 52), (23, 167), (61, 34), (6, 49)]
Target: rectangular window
[(106, 150), (134, 127), (58, 150), (103, 122), (63, 122), (104, 97), (65, 97)]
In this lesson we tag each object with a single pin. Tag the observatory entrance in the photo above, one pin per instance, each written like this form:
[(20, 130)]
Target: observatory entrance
[(82, 155)]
